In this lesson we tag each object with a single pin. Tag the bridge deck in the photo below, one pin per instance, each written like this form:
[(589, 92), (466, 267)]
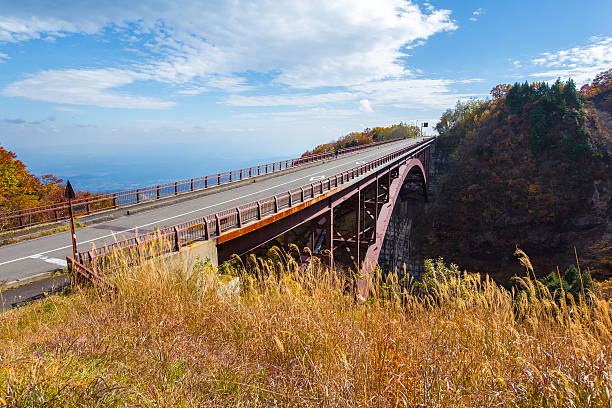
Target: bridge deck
[(42, 255)]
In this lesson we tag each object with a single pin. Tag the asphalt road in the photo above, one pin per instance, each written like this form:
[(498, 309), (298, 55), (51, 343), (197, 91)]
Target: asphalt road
[(37, 256)]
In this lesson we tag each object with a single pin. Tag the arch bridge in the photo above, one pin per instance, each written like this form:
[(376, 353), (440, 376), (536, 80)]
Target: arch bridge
[(345, 216)]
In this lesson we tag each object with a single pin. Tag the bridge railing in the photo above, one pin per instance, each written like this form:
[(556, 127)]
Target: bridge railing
[(100, 202), (80, 272), (213, 225)]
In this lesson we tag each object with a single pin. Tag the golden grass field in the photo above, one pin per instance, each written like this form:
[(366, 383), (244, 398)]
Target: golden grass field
[(172, 336)]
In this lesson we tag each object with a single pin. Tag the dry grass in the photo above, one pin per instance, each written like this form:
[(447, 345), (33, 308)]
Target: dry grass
[(172, 336)]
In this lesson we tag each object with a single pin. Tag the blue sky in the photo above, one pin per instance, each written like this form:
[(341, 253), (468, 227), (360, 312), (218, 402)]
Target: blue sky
[(268, 78)]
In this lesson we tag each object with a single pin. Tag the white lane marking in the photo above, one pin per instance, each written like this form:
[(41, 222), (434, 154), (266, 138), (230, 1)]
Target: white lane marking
[(360, 162), (180, 215), (55, 261), (316, 178)]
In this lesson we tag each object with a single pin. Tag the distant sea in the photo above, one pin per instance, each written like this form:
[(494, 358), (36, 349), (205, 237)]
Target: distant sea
[(108, 169)]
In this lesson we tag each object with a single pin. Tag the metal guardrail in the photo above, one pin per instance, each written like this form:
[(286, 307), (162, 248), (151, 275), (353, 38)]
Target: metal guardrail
[(213, 225), (15, 220), (80, 272)]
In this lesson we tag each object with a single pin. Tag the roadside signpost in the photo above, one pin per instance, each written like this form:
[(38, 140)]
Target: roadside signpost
[(69, 194)]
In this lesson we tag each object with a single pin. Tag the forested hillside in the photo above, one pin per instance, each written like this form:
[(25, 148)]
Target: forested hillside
[(530, 167)]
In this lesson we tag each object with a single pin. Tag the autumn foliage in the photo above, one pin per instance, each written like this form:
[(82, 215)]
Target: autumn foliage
[(600, 84), (368, 136), (20, 189), (523, 168)]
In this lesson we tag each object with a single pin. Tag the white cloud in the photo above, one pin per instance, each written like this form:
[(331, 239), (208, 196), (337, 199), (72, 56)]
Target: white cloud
[(202, 46), (22, 22), (84, 87), (230, 84), (290, 99), (3, 57), (397, 92), (67, 109), (414, 93), (365, 106), (579, 63), (476, 13)]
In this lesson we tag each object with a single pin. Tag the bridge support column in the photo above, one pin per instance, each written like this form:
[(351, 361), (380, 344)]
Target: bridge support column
[(330, 233), (201, 249), (358, 229)]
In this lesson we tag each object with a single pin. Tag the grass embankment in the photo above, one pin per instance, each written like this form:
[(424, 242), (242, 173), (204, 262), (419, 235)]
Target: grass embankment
[(172, 337), (12, 237)]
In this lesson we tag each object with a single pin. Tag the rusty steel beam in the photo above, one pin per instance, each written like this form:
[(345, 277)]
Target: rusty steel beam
[(241, 244)]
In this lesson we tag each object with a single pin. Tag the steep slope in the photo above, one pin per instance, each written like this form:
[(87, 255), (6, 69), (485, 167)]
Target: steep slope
[(529, 168)]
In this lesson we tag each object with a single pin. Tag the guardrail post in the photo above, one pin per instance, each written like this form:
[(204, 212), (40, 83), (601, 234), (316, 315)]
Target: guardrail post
[(250, 171), (175, 187), (157, 192), (258, 210), (230, 176), (218, 178), (239, 216), (275, 204), (177, 237), (138, 248), (91, 258), (137, 195), (289, 192), (206, 230), (206, 182), (218, 224), (87, 207), (114, 200), (302, 193), (55, 214), (191, 185)]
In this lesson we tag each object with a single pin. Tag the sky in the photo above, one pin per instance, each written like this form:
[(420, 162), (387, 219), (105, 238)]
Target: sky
[(266, 78)]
